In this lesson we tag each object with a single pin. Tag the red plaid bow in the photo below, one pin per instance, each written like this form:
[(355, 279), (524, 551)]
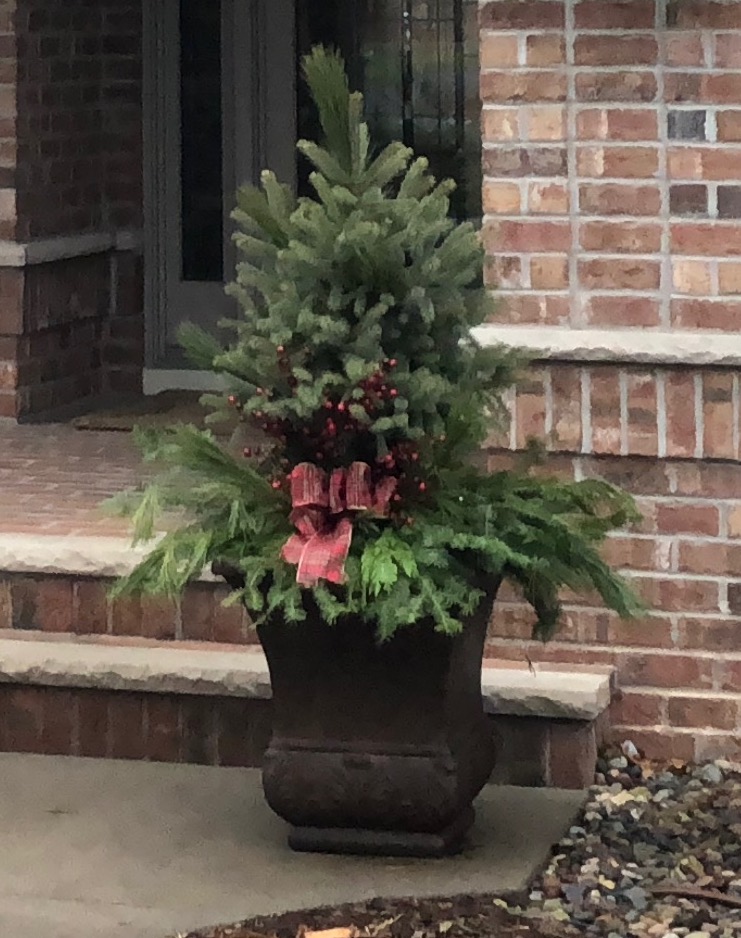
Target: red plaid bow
[(323, 541)]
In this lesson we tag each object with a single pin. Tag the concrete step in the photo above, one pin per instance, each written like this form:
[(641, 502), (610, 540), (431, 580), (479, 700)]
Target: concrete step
[(210, 669)]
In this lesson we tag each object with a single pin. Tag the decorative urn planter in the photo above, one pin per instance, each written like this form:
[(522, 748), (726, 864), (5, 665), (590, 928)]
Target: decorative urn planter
[(376, 747)]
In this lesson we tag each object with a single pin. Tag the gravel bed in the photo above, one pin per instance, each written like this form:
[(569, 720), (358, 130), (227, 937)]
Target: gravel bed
[(655, 854)]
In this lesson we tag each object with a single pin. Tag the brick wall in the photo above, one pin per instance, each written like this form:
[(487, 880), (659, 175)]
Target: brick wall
[(612, 159), (70, 163)]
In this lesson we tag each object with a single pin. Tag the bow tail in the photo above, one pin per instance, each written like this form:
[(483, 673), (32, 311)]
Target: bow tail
[(323, 556)]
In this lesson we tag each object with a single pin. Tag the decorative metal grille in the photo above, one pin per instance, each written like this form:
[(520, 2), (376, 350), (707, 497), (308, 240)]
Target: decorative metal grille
[(417, 61)]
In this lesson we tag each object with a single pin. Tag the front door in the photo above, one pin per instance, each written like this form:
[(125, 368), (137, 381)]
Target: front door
[(220, 93)]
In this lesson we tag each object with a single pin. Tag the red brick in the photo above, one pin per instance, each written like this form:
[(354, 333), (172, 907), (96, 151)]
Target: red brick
[(527, 235), (573, 754), (232, 732), (93, 723), (643, 431), (127, 732), (501, 198), (704, 634), (721, 314), (721, 88), (718, 415), (685, 50), (619, 237), (517, 14), (731, 676), (680, 415), (707, 480), (23, 719), (549, 272), (530, 410), (163, 728), (729, 126), (617, 199), (635, 709), (721, 164), (90, 607), (687, 519), (532, 308), (605, 392), (566, 392), (499, 50), (706, 14), (658, 745), (54, 604), (549, 198), (622, 274), (710, 558), (636, 553), (229, 621), (702, 712), (615, 14), (199, 729), (522, 87), (158, 617), (682, 86), (622, 311), (545, 50), (126, 616), (636, 475), (60, 722), (612, 86), (525, 161), (611, 49), (503, 270), (618, 162), (500, 124), (642, 669), (6, 605), (651, 631)]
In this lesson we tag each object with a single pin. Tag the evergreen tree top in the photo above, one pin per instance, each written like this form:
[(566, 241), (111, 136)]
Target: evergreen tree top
[(353, 358)]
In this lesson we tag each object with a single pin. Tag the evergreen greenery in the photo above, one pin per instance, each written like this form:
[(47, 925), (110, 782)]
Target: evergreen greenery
[(355, 345)]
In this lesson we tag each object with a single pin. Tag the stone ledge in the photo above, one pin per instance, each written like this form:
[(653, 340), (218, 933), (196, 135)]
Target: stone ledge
[(64, 247), (153, 667), (67, 555), (618, 346)]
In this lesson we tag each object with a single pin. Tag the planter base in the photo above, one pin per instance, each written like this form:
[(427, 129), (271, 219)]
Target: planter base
[(382, 843)]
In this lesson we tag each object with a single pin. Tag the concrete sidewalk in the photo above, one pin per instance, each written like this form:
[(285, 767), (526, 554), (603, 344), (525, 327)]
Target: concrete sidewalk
[(103, 849)]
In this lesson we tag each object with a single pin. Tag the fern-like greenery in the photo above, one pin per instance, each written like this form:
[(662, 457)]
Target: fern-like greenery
[(355, 345)]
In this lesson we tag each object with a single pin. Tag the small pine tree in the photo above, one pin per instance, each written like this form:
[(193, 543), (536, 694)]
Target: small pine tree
[(355, 346)]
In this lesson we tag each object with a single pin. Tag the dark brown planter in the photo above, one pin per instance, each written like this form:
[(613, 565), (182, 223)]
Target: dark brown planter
[(376, 748)]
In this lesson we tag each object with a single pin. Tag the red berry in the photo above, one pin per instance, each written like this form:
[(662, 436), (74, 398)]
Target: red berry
[(281, 349), (247, 452), (393, 392), (397, 498), (414, 457), (277, 484), (328, 405), (342, 407), (232, 400), (393, 362), (423, 486)]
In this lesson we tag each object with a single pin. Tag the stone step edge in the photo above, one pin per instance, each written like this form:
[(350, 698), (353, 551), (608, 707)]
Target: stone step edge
[(73, 555), (156, 667)]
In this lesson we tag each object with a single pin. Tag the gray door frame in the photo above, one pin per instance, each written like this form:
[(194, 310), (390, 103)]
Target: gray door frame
[(259, 68)]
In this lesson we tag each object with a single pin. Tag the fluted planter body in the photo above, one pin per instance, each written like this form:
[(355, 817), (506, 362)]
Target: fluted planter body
[(376, 748)]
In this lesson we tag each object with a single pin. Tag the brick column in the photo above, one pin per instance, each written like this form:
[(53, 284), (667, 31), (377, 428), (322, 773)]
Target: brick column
[(612, 156), (71, 318)]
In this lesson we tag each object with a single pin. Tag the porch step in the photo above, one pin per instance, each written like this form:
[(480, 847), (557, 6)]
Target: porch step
[(210, 703), (210, 669)]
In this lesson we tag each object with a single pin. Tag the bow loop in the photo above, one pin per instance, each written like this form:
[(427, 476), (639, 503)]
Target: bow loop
[(322, 543)]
